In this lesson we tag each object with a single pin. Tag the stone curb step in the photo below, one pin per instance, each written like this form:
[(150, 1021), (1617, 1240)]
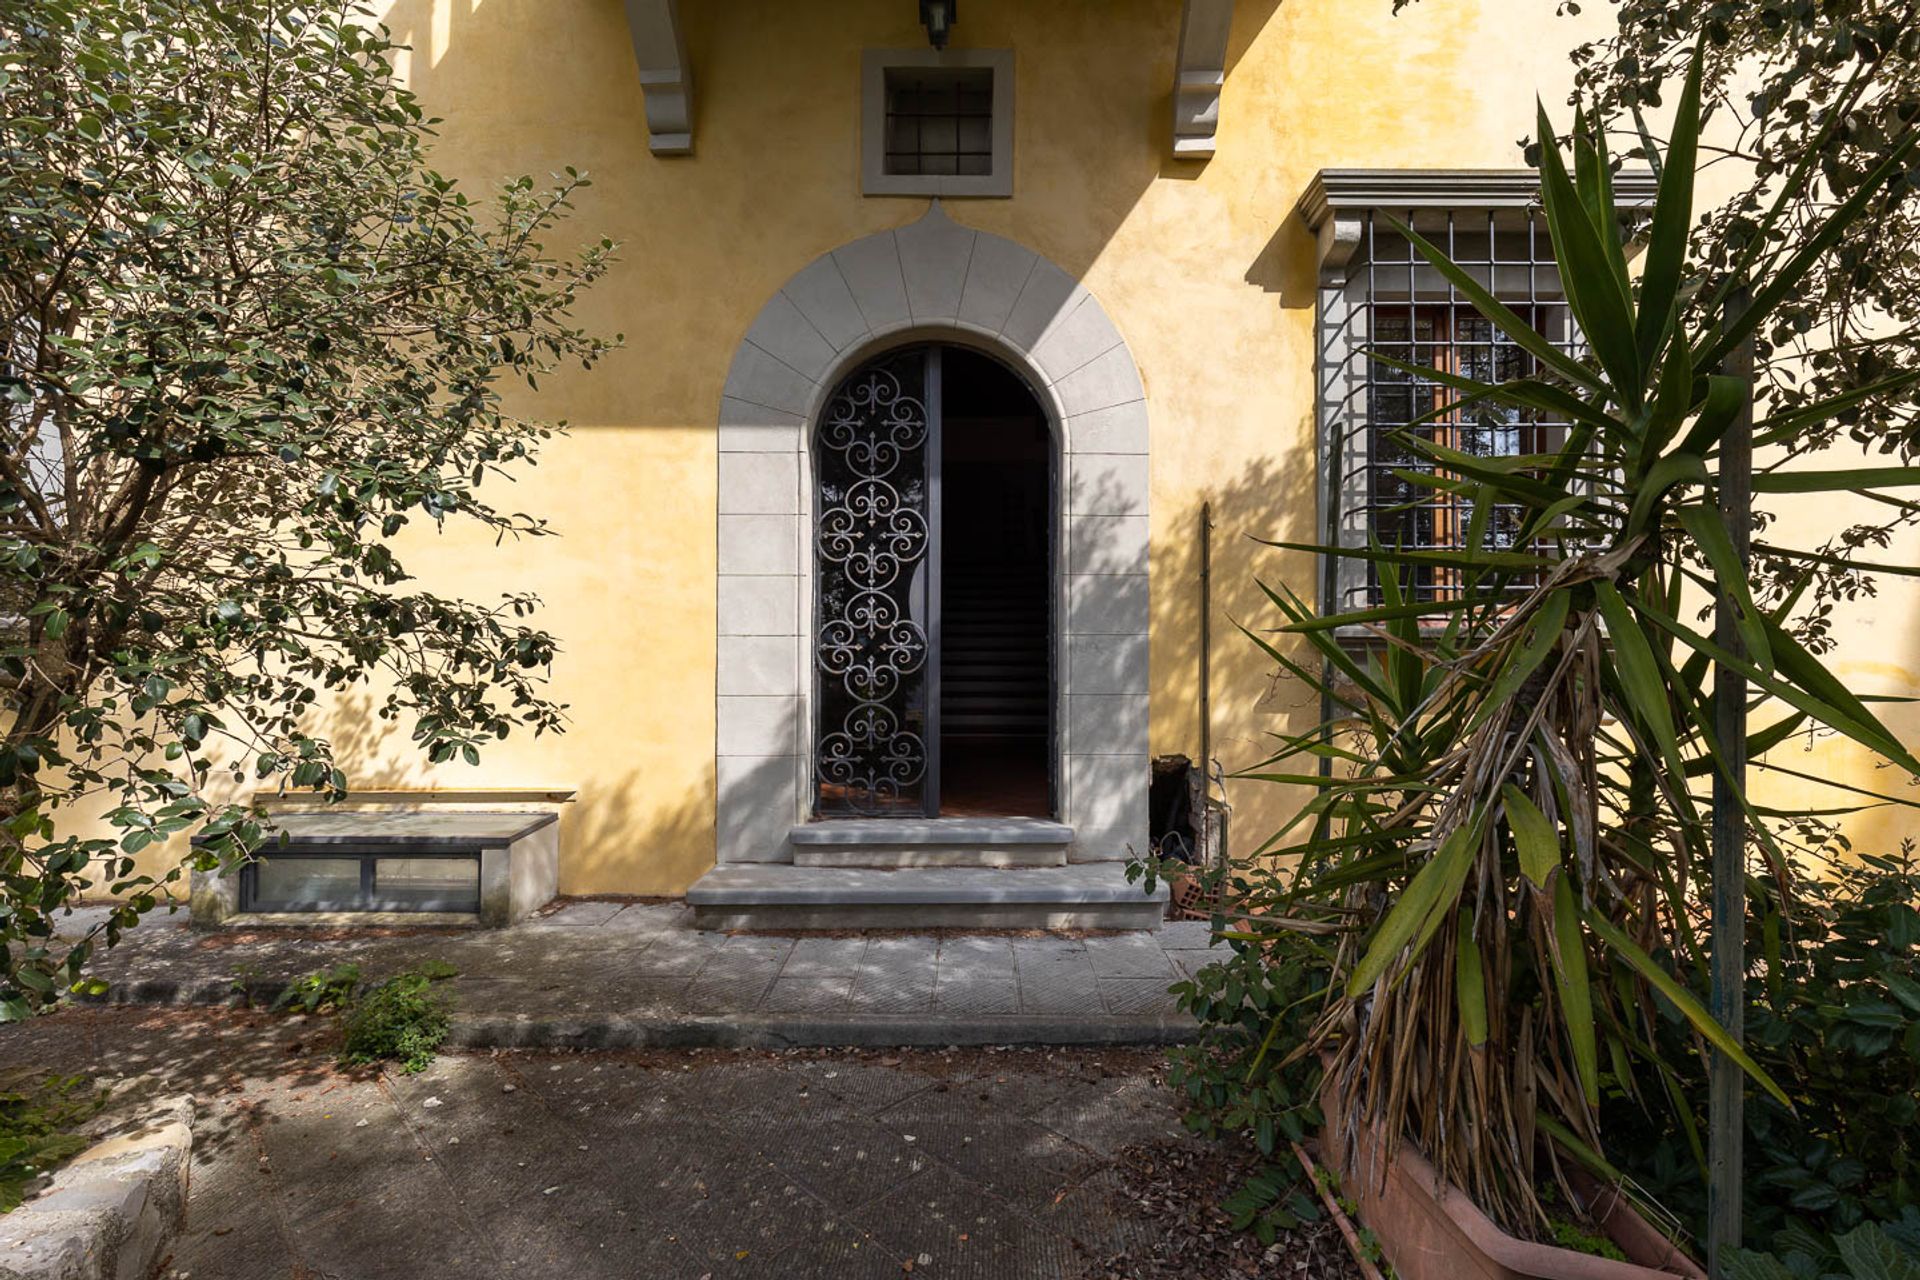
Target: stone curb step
[(112, 1210), (775, 896), (878, 1031)]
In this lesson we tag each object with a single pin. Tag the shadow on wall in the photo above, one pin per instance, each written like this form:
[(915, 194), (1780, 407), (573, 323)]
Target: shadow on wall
[(602, 830), (1253, 702)]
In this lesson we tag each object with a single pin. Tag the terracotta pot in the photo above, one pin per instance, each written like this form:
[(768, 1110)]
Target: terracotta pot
[(1429, 1230)]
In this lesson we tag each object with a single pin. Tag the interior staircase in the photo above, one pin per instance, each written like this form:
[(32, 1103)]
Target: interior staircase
[(994, 677)]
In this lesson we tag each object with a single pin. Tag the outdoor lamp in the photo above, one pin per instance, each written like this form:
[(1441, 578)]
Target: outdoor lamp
[(937, 17)]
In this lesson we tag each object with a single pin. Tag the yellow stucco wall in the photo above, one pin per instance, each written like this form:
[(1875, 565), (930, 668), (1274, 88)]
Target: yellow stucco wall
[(1201, 266)]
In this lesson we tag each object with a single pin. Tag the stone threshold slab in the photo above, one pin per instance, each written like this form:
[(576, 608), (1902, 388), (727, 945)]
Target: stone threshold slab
[(959, 832)]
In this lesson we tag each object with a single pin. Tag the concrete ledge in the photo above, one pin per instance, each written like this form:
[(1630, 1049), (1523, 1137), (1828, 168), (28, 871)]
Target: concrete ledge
[(111, 1212), (350, 920), (878, 1031)]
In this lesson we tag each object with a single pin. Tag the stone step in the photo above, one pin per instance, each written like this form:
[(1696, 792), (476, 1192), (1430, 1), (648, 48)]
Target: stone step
[(931, 842), (773, 896)]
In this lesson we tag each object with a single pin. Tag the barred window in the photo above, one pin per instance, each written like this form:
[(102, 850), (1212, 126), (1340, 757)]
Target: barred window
[(936, 122), (1393, 303), (939, 120)]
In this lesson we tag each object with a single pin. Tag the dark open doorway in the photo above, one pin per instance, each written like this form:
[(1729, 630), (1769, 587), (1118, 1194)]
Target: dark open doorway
[(996, 607)]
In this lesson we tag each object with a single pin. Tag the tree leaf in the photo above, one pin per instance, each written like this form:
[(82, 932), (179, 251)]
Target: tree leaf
[(1535, 839), (1570, 977), (1730, 575), (1469, 983), (1430, 893)]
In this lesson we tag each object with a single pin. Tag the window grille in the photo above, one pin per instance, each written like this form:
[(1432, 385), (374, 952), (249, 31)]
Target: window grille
[(1396, 304), (939, 121)]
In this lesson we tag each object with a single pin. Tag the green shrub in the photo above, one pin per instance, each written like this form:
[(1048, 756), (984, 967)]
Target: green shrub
[(398, 1020), (401, 1020), (38, 1114), (325, 991), (1254, 1006), (1871, 1251), (1833, 1014)]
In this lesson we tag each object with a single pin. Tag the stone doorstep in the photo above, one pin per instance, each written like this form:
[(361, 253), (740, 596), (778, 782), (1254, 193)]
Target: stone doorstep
[(111, 1211), (957, 832), (891, 843), (1089, 895)]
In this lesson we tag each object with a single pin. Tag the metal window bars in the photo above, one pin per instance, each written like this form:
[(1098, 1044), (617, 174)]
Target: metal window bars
[(1394, 303), (940, 121)]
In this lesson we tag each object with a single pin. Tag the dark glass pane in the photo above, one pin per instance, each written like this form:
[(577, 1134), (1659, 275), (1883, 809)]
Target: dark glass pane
[(306, 884), (937, 119), (427, 884), (871, 548)]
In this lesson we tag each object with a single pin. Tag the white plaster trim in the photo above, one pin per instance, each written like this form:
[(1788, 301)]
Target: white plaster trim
[(666, 77), (1199, 76), (934, 280)]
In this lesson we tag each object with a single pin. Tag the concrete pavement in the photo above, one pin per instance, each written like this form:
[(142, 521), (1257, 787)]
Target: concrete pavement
[(601, 974)]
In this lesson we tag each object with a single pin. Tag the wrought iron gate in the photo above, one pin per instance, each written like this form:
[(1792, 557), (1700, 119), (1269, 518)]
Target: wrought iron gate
[(877, 591)]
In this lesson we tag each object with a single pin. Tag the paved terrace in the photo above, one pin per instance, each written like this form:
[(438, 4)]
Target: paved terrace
[(611, 974)]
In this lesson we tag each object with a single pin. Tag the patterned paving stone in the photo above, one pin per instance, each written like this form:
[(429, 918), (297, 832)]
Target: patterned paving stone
[(1190, 963), (977, 995), (845, 1163), (1137, 995), (1060, 984), (1185, 935), (682, 953), (751, 1215), (896, 976), (976, 957), (807, 995), (824, 958), (732, 982), (576, 914), (1128, 958), (1024, 1163), (866, 1088), (949, 1226), (1117, 1113)]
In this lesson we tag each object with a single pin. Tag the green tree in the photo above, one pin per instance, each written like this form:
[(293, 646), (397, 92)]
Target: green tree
[(247, 337), (1517, 829)]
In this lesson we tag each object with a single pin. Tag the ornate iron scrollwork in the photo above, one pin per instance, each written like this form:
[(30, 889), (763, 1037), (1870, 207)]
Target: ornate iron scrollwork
[(872, 542)]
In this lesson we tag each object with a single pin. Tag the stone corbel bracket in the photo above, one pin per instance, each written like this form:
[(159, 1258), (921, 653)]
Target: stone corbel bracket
[(1199, 75), (1336, 204), (666, 77)]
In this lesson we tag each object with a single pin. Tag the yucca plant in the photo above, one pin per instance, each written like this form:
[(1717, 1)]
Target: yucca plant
[(1516, 812)]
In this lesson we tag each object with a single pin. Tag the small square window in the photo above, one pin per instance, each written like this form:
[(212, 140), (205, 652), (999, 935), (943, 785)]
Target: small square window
[(937, 123), (939, 120)]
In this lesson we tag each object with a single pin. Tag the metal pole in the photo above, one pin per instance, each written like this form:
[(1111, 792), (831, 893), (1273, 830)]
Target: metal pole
[(1206, 668), (1726, 1126)]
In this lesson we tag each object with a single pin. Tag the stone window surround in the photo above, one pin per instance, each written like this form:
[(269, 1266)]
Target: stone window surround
[(932, 280), (874, 178), (1335, 208)]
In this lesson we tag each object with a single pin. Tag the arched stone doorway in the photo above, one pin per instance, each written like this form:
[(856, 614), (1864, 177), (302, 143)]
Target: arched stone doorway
[(932, 283), (934, 499)]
